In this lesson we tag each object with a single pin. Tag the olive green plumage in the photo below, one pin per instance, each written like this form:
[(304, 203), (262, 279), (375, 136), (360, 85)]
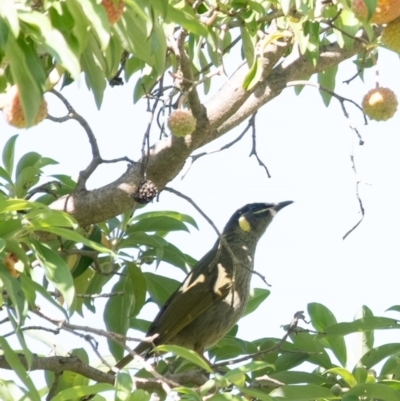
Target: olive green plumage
[(213, 296)]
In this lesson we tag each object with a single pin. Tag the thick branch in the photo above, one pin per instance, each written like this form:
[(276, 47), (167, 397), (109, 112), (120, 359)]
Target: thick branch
[(59, 364), (228, 108)]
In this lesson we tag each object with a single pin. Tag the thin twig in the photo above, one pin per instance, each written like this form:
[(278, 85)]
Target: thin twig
[(54, 386), (227, 146), (254, 147), (57, 331), (291, 329), (146, 136), (96, 158), (353, 129)]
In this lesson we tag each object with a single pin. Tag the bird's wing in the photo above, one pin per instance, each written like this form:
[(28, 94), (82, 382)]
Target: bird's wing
[(196, 294)]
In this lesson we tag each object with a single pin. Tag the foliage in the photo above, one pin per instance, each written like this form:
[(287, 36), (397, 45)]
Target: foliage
[(48, 258)]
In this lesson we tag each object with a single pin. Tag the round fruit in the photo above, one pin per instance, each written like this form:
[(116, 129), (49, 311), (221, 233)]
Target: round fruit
[(391, 35), (9, 261), (386, 11), (380, 104), (13, 113), (336, 390), (181, 123), (113, 10)]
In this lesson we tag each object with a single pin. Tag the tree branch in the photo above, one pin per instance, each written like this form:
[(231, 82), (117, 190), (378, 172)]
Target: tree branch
[(228, 108)]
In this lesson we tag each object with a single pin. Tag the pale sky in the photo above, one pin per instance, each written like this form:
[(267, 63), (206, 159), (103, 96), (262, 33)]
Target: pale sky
[(306, 147)]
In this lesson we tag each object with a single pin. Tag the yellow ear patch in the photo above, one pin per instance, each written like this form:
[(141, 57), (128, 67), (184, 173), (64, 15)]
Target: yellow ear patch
[(244, 224)]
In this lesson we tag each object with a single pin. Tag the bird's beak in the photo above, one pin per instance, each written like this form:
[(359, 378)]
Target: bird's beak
[(281, 205)]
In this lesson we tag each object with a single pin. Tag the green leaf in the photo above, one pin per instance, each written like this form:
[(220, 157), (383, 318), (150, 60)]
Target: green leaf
[(159, 287), (322, 317), (254, 75), (360, 325), (97, 18), (167, 213), (296, 377), (28, 178), (139, 395), (375, 390), (249, 367), (161, 223), (394, 308), (286, 6), (371, 6), (344, 374), (257, 296), (139, 287), (9, 391), (8, 11), (308, 343), (85, 261), (360, 374), (5, 176), (12, 205), (80, 391), (28, 284), (289, 361), (94, 66), (76, 237), (230, 347), (29, 159), (16, 365), (22, 70), (43, 218), (136, 239), (117, 312), (367, 338), (254, 394), (71, 379), (8, 155), (183, 15), (376, 355), (327, 79), (185, 353), (248, 50), (308, 392), (135, 41), (10, 227), (123, 386), (52, 41), (139, 324), (55, 270), (13, 288)]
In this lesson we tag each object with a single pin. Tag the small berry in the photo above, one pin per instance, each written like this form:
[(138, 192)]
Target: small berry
[(113, 10), (181, 123), (13, 113), (380, 104)]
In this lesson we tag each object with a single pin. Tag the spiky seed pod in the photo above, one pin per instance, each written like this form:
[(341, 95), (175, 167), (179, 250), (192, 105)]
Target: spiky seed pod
[(181, 123), (380, 104), (386, 11), (113, 11), (145, 193), (391, 35), (12, 109)]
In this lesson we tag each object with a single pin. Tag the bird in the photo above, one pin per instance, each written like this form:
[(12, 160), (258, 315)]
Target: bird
[(214, 294)]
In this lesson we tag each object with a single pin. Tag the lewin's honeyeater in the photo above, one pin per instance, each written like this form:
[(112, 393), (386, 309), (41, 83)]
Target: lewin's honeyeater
[(214, 294)]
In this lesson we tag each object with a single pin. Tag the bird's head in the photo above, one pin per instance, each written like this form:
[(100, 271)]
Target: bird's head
[(253, 219)]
